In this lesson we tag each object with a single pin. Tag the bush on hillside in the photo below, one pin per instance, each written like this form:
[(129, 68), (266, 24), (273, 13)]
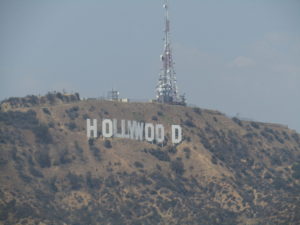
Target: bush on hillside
[(159, 154), (27, 120), (154, 118), (160, 113), (189, 123), (71, 126), (64, 157), (255, 125), (187, 152), (96, 152), (237, 121), (107, 144), (91, 141), (138, 164), (51, 98), (93, 183), (42, 134), (197, 110), (43, 158), (73, 112), (21, 120), (46, 111), (178, 167), (75, 181), (296, 170)]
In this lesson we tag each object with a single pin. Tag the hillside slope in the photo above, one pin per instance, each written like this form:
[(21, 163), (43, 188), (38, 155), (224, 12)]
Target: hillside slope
[(225, 171)]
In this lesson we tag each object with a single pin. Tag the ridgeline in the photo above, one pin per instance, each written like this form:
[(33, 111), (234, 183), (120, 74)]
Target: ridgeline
[(225, 171)]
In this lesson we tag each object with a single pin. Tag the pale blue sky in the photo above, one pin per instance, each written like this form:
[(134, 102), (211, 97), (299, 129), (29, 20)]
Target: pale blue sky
[(234, 56)]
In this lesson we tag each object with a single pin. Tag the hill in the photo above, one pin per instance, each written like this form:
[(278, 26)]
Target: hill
[(225, 171)]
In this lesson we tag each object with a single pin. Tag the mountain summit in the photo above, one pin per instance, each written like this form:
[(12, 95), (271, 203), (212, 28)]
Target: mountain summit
[(224, 171)]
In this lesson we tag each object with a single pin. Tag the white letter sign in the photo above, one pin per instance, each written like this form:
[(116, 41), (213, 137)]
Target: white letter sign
[(91, 128), (176, 134), (107, 128)]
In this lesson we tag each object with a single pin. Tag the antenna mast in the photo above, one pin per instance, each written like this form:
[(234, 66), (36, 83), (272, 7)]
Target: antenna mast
[(167, 90)]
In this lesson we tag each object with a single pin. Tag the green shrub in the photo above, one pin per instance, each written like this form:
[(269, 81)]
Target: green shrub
[(42, 134), (51, 98), (46, 111), (160, 155), (51, 124), (187, 151), (71, 126), (107, 144), (187, 138), (91, 141), (21, 120), (279, 183), (189, 123), (85, 116), (172, 149), (96, 152), (51, 184), (178, 167), (267, 175), (138, 164), (78, 148), (154, 118), (160, 113), (296, 170), (286, 136), (197, 110), (35, 172), (73, 112), (255, 125), (267, 135), (214, 160), (237, 121), (76, 181), (42, 157), (92, 183), (64, 156), (296, 137)]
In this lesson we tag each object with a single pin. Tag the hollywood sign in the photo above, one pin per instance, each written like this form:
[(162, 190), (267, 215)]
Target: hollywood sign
[(133, 130)]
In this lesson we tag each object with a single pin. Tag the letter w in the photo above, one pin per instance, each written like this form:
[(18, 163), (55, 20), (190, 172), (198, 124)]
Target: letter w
[(135, 130)]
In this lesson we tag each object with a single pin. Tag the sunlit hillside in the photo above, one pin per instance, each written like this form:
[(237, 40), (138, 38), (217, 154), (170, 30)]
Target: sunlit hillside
[(225, 171)]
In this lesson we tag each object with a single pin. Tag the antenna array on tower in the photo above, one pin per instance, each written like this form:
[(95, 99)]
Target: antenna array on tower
[(167, 90)]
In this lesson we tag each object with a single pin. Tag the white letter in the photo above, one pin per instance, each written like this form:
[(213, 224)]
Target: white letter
[(149, 132), (159, 133), (176, 134), (115, 125), (107, 131), (135, 130), (130, 129), (90, 128), (123, 129)]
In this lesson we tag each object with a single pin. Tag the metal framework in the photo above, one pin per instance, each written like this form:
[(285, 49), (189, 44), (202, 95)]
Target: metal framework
[(113, 95), (166, 89)]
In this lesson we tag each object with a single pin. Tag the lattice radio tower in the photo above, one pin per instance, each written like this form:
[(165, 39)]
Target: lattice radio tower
[(166, 89)]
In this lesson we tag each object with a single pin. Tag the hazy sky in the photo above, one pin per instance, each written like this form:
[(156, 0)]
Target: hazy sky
[(237, 56)]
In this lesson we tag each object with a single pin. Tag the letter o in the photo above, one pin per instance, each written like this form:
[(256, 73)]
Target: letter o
[(107, 128), (149, 132), (159, 133)]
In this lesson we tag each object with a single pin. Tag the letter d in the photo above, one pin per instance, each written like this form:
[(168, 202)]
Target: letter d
[(176, 134)]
